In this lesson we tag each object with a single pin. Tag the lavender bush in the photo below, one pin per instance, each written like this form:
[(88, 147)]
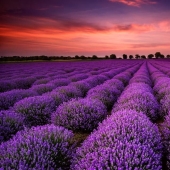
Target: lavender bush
[(60, 82), (165, 105), (165, 128), (80, 114), (138, 97), (104, 93), (41, 81), (43, 88), (42, 147), (10, 124), (125, 140), (36, 110), (9, 98), (7, 85), (83, 86)]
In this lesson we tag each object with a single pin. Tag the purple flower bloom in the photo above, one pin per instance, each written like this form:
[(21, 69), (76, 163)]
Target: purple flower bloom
[(125, 140), (165, 128), (10, 124), (36, 110), (81, 114), (9, 98), (42, 147), (43, 88), (139, 97)]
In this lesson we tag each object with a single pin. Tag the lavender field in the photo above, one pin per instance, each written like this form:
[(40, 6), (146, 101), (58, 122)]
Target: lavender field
[(85, 115)]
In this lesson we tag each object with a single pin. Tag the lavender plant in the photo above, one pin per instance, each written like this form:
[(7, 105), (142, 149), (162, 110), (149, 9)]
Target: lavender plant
[(43, 88), (36, 110), (10, 124), (165, 128), (125, 140), (80, 114), (42, 147), (9, 98)]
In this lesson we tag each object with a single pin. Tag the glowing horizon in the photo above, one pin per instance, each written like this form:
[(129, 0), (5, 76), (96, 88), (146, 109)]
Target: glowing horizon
[(69, 29)]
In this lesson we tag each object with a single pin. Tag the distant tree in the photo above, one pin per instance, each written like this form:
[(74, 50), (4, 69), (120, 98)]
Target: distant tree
[(113, 56), (143, 56), (162, 56), (157, 55), (150, 56), (77, 57), (82, 57), (130, 56), (68, 57), (124, 56), (137, 56), (94, 57), (106, 56), (168, 56)]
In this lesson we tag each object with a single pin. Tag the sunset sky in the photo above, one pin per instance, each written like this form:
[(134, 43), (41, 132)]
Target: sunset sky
[(84, 27)]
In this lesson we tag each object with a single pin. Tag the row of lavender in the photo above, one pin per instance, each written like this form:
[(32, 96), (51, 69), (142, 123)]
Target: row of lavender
[(9, 98), (37, 110), (24, 75), (128, 139), (119, 81), (161, 78)]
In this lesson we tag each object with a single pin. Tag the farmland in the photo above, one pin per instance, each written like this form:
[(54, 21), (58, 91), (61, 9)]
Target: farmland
[(110, 114)]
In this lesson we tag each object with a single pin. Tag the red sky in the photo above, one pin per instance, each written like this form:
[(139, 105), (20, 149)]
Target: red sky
[(77, 27)]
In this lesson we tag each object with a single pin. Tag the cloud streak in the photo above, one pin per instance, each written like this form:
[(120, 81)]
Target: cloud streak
[(135, 3), (66, 25)]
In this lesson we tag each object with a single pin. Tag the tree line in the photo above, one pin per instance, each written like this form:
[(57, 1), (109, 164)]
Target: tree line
[(157, 55)]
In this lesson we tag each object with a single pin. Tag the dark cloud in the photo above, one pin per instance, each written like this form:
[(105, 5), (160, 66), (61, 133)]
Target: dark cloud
[(123, 27)]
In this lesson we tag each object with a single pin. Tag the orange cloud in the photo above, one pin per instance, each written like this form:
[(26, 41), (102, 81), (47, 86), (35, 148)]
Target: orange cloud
[(165, 26), (136, 3)]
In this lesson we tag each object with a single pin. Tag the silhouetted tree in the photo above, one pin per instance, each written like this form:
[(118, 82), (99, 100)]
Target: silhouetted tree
[(113, 56), (124, 56), (143, 56), (77, 57), (168, 56), (94, 57), (162, 56), (150, 56), (137, 56), (106, 56), (82, 57), (130, 56), (157, 55)]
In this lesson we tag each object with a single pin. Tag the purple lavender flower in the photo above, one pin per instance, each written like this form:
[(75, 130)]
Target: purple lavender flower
[(83, 86), (165, 105), (125, 140), (41, 81), (36, 110), (60, 82), (139, 97), (10, 124), (165, 128), (78, 77), (43, 88), (104, 93), (7, 85), (81, 114), (9, 98), (42, 147)]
